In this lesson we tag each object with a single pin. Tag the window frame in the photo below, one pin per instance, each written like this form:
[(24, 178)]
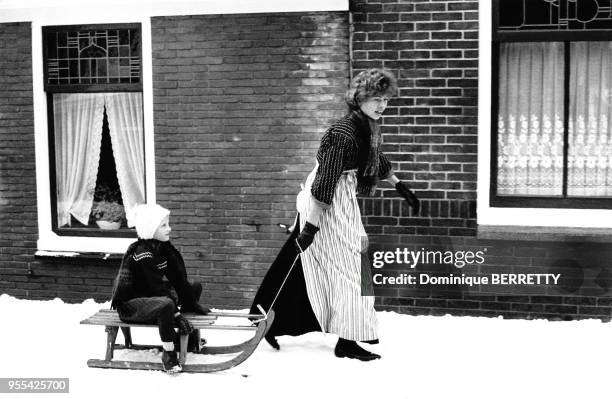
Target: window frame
[(566, 37), (49, 241), (50, 90)]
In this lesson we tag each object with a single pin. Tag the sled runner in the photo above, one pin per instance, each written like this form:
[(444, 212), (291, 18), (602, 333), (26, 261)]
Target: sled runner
[(110, 319)]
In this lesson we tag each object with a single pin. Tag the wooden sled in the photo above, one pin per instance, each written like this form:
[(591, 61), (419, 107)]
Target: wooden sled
[(110, 319)]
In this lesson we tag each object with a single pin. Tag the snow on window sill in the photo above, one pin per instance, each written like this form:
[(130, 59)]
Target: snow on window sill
[(77, 255), (51, 243)]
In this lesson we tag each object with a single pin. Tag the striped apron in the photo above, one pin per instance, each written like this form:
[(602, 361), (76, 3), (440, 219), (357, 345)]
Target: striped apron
[(332, 263)]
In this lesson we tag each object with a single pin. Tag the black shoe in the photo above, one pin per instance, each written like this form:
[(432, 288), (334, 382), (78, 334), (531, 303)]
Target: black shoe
[(193, 348), (271, 339), (350, 349), (194, 343), (170, 362)]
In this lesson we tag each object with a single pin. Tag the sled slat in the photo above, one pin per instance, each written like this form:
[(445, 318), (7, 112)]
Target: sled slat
[(112, 313), (108, 317), (242, 315)]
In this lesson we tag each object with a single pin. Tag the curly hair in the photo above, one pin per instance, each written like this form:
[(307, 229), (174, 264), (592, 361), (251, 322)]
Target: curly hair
[(370, 83)]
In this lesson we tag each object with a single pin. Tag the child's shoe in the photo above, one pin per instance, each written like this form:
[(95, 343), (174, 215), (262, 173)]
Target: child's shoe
[(170, 362)]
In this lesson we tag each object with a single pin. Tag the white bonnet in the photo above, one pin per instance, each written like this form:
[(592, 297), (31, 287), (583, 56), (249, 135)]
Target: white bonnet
[(147, 218)]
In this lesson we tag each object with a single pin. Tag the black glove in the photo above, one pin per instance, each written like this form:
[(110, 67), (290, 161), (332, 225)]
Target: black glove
[(306, 236), (184, 326), (196, 308), (404, 190)]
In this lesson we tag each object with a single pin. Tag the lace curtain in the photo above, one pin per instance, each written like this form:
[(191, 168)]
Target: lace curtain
[(530, 121), (78, 136), (125, 123), (590, 130)]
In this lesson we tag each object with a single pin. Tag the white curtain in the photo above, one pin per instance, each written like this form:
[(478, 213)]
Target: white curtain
[(125, 123), (590, 141), (78, 135), (530, 120)]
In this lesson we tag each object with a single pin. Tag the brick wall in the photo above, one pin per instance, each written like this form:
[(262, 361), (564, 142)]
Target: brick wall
[(21, 274), (17, 170), (241, 102), (430, 129)]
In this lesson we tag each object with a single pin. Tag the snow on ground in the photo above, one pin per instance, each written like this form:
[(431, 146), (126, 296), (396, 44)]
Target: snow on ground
[(422, 357)]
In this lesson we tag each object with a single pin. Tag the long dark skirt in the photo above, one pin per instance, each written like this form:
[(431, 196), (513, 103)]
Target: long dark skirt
[(293, 312)]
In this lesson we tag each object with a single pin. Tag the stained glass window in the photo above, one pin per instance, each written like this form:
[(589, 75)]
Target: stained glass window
[(521, 15), (80, 56)]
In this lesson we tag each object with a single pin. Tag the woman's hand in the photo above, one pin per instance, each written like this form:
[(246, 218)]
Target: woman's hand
[(404, 190), (306, 236)]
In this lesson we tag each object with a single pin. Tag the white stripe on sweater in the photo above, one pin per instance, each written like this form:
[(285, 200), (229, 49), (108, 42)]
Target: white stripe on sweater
[(142, 255)]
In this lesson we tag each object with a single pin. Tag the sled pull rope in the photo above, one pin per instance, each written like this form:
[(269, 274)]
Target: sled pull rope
[(281, 287)]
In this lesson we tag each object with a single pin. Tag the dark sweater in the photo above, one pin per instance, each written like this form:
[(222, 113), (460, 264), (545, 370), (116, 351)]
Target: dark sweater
[(145, 267), (344, 146)]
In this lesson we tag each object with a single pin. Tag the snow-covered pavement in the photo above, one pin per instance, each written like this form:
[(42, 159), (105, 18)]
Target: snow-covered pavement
[(422, 357)]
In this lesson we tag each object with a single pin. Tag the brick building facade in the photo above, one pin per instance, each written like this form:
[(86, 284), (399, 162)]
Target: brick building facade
[(239, 104)]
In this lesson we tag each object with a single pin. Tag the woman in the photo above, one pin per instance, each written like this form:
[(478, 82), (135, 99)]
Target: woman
[(332, 240)]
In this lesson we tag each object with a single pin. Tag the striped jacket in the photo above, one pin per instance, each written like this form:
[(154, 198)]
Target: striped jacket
[(344, 146)]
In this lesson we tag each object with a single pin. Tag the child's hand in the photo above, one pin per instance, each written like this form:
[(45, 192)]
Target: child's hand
[(184, 326)]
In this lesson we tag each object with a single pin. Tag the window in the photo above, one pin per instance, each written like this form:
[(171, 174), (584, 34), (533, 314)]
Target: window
[(552, 104), (93, 83)]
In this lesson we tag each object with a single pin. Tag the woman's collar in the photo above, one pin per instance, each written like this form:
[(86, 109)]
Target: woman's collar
[(362, 121)]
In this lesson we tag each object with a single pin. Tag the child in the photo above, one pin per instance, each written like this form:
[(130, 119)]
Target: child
[(150, 268)]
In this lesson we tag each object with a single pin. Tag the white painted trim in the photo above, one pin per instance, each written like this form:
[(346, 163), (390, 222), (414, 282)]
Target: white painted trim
[(54, 11), (147, 102), (41, 142), (484, 110), (48, 240), (487, 215)]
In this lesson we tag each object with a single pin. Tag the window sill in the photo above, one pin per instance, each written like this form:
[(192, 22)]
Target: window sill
[(96, 232), (544, 233), (52, 243), (551, 202), (47, 255)]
